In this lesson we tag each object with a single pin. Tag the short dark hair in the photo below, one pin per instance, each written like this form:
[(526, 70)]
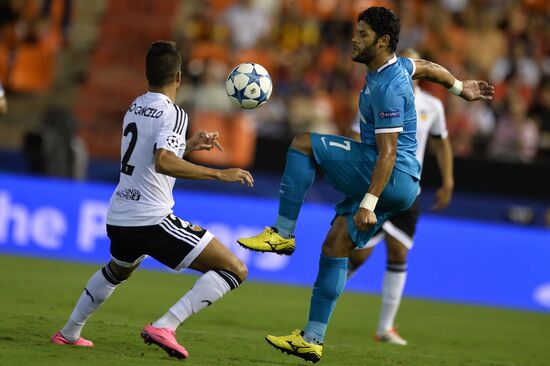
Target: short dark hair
[(162, 63), (382, 21)]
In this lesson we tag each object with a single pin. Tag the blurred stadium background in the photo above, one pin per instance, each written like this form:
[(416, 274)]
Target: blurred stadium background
[(71, 67)]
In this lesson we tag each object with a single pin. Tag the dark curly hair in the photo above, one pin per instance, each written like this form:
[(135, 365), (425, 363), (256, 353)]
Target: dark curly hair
[(382, 21)]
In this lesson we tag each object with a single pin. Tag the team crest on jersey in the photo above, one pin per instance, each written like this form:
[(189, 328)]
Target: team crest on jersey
[(195, 227), (391, 114), (423, 116), (173, 141)]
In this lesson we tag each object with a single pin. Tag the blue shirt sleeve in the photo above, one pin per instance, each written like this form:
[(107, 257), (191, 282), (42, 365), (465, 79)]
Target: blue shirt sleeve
[(389, 110), (408, 64)]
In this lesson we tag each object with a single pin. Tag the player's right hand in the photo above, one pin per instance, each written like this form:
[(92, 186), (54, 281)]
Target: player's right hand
[(236, 175), (364, 219), (477, 90)]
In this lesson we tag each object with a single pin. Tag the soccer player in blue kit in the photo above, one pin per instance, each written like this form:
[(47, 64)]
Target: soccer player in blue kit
[(379, 176)]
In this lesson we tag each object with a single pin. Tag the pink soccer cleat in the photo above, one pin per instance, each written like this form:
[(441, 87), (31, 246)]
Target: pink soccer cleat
[(58, 338), (164, 338)]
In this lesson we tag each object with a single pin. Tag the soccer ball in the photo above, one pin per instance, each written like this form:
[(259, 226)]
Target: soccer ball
[(249, 85)]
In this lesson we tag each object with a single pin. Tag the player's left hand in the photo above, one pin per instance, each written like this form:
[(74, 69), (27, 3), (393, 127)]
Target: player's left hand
[(477, 90), (204, 140), (442, 197), (364, 219)]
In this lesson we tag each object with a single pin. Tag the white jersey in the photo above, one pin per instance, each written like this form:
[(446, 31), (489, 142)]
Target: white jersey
[(143, 196), (430, 120)]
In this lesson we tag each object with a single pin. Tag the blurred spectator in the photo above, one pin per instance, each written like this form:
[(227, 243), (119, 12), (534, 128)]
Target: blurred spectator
[(248, 23), (55, 149), (541, 112), (518, 61), (209, 94), (3, 101), (516, 135), (486, 43), (460, 126)]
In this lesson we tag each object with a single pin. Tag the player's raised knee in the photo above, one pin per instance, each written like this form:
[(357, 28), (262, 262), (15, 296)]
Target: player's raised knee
[(239, 268)]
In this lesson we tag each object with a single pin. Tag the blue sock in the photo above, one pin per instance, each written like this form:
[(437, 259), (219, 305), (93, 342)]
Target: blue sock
[(297, 178), (330, 282)]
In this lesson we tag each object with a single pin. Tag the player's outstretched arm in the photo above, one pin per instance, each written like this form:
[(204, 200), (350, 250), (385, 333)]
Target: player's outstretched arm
[(168, 163), (468, 89)]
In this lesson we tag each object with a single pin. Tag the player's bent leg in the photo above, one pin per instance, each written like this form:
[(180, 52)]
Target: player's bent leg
[(298, 176), (98, 289), (223, 272), (359, 256), (217, 256), (392, 291)]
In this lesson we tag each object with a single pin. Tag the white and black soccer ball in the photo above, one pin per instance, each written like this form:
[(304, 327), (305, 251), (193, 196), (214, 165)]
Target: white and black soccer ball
[(249, 85)]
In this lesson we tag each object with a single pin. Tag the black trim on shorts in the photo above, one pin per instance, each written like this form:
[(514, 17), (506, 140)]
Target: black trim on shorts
[(168, 242)]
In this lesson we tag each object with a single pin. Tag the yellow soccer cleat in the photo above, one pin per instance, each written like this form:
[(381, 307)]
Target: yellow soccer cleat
[(269, 241), (295, 344)]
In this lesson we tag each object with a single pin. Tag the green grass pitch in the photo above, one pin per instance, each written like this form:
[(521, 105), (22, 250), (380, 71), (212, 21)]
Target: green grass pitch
[(36, 297)]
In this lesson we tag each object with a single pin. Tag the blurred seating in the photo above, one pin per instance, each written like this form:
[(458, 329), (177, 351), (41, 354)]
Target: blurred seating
[(237, 136), (116, 72), (30, 40)]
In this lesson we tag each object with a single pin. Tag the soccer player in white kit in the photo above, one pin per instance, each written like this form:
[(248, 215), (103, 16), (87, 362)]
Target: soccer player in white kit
[(140, 220), (398, 232)]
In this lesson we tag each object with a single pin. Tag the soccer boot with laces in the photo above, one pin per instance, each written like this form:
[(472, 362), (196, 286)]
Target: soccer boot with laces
[(60, 339), (391, 336), (269, 241), (296, 345), (164, 338)]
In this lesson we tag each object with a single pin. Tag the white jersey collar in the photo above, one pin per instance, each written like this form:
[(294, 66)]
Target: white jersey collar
[(391, 61)]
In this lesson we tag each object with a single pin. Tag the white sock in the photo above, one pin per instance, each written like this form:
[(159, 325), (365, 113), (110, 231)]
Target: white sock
[(209, 287), (392, 291), (98, 289)]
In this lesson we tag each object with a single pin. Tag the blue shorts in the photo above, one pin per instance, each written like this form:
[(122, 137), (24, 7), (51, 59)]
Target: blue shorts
[(347, 166)]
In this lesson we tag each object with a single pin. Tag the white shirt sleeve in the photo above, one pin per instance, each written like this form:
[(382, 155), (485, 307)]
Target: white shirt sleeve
[(439, 126), (169, 132), (413, 66)]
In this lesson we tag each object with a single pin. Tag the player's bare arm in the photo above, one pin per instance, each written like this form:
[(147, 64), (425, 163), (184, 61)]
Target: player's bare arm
[(167, 162), (365, 218), (469, 90), (444, 156)]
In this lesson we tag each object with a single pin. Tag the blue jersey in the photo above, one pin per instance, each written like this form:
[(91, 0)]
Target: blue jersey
[(386, 104)]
